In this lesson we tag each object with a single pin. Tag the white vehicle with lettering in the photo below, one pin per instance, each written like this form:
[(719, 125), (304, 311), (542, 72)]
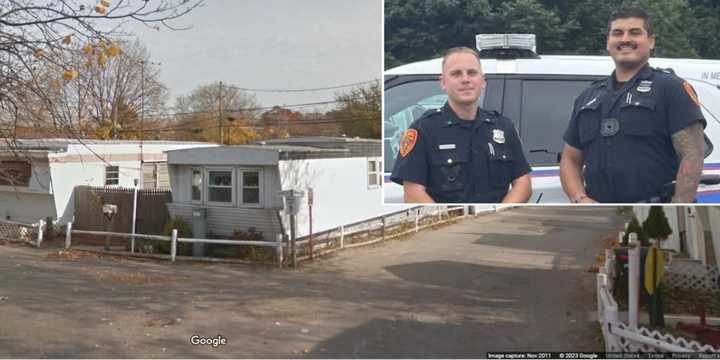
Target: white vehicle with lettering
[(537, 93)]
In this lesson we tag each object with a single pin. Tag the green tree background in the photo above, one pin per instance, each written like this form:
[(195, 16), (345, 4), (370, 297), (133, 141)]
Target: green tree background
[(421, 29)]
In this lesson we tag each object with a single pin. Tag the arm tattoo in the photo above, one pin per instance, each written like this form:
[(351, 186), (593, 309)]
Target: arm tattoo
[(689, 146)]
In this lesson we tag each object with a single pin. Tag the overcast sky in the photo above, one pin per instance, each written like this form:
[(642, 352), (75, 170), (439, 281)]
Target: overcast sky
[(271, 44)]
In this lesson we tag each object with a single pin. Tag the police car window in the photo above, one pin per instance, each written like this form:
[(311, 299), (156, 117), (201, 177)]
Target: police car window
[(545, 112), (404, 104)]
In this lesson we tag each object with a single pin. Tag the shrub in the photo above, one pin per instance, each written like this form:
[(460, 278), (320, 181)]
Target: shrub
[(163, 247), (184, 229), (634, 227), (245, 252), (656, 225)]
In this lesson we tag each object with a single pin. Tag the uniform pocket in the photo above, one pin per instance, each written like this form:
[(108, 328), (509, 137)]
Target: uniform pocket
[(588, 120), (448, 171), (501, 167), (638, 118)]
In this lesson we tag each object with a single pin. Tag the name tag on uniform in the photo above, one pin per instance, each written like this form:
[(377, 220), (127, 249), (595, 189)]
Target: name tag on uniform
[(498, 136), (446, 146), (645, 86)]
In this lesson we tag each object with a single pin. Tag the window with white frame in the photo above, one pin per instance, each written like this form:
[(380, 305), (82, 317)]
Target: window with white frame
[(112, 175), (196, 184), (374, 175), (220, 185), (250, 187)]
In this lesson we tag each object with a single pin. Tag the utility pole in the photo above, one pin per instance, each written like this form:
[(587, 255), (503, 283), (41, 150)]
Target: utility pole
[(142, 114), (220, 124), (113, 129)]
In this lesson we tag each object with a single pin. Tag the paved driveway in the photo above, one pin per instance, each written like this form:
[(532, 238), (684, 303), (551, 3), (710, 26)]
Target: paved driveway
[(515, 280)]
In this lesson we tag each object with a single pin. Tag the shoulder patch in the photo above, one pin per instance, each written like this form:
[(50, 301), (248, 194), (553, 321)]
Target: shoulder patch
[(407, 143), (691, 93)]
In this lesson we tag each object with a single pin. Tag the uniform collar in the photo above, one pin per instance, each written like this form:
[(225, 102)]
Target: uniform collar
[(644, 74), (452, 118)]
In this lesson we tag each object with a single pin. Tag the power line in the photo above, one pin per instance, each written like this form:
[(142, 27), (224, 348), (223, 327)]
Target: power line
[(187, 126), (302, 90), (247, 109)]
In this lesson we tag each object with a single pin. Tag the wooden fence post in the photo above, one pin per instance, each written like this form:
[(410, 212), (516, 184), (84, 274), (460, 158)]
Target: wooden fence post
[(279, 249), (342, 236), (633, 284), (173, 245), (383, 228), (40, 227), (417, 220), (68, 234), (601, 281)]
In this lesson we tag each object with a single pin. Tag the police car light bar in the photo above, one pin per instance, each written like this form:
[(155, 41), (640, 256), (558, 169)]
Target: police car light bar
[(505, 41)]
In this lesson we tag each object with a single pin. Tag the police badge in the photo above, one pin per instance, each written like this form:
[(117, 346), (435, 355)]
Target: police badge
[(498, 136)]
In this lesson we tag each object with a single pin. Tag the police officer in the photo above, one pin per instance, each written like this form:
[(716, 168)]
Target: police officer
[(637, 131), (461, 153)]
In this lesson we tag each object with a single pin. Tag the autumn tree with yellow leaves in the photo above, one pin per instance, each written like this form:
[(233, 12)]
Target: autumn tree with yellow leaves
[(111, 99), (46, 48), (359, 111)]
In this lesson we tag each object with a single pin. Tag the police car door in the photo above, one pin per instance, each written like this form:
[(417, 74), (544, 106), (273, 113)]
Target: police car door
[(540, 106)]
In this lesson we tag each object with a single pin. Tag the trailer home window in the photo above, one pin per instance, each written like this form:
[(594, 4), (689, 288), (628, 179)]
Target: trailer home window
[(112, 175), (220, 186), (250, 187), (373, 173), (15, 173)]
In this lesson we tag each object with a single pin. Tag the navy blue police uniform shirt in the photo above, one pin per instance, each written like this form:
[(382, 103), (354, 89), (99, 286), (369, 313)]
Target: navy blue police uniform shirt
[(459, 160), (625, 133)]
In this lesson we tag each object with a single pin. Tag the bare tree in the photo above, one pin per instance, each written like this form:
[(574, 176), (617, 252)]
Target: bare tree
[(110, 100), (216, 110), (39, 42)]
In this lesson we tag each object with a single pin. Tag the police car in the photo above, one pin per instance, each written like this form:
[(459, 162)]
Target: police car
[(536, 92)]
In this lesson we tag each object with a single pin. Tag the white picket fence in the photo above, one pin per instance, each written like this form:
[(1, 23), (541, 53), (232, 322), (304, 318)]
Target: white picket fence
[(619, 336), (23, 232)]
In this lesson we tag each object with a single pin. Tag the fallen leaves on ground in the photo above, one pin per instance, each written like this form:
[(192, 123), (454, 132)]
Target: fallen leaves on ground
[(162, 322), (128, 277), (73, 255)]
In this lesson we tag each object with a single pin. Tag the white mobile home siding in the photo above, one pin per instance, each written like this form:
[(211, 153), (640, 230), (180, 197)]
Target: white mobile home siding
[(66, 176), (341, 192)]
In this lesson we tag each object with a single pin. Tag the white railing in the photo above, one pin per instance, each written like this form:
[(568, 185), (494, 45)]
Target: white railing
[(18, 231), (174, 240), (619, 336), (386, 227)]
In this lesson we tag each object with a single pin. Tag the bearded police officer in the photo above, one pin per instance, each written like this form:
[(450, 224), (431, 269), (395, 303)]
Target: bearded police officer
[(637, 131), (461, 153)]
